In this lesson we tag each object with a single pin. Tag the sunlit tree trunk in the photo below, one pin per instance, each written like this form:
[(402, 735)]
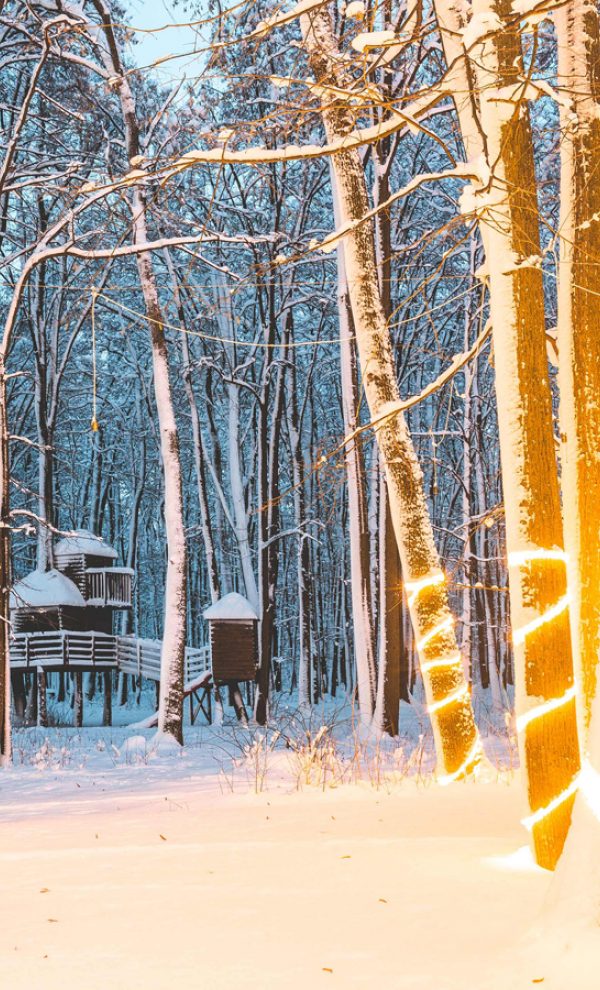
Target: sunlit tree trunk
[(447, 694), (578, 32), (495, 123)]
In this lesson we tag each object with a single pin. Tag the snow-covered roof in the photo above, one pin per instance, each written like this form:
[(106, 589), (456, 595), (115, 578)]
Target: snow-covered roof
[(84, 542), (232, 606), (45, 588)]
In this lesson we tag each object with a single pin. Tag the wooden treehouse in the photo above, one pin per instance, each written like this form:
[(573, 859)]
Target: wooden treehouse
[(81, 593), (65, 620), (233, 626)]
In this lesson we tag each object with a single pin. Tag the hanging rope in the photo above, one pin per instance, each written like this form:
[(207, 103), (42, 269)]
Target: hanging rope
[(94, 423)]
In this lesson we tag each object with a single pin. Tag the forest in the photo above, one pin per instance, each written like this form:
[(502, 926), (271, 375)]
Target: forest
[(300, 461)]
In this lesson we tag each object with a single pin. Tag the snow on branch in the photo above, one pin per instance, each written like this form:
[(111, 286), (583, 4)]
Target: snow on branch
[(292, 152), (284, 17), (468, 172), (394, 408)]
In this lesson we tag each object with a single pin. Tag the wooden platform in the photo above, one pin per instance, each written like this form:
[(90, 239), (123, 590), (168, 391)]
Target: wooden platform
[(66, 650)]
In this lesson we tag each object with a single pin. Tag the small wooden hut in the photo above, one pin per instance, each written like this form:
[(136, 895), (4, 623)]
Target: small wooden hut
[(233, 625), (45, 601)]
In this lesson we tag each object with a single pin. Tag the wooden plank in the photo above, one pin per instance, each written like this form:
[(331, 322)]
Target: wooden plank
[(234, 651)]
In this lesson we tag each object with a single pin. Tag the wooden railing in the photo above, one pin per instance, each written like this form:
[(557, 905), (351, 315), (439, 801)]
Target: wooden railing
[(109, 586), (141, 657), (63, 648)]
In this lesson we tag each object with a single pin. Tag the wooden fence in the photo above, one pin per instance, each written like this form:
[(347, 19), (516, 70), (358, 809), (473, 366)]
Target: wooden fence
[(91, 650)]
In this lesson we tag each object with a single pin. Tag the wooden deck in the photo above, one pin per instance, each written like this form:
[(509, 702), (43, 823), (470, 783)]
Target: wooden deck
[(66, 650)]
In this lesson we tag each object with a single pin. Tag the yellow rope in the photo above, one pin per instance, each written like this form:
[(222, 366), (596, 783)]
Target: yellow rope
[(254, 344)]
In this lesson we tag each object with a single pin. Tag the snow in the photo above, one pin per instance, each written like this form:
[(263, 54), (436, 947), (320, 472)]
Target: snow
[(283, 17), (198, 682), (480, 26), (45, 588), (367, 40), (355, 10), (136, 868), (231, 607), (84, 542)]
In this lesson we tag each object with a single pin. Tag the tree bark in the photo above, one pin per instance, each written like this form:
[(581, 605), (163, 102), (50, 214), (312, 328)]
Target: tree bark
[(449, 704), (500, 130), (358, 526), (5, 577), (391, 645), (578, 35), (170, 719), (303, 573), (208, 542)]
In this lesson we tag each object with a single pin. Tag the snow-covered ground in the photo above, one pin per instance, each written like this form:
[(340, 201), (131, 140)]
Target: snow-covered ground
[(125, 868)]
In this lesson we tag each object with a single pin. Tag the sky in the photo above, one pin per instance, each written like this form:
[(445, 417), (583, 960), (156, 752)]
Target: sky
[(158, 36)]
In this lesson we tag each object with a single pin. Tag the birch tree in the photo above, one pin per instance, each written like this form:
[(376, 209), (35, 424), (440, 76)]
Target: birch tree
[(170, 720), (447, 694), (498, 136), (362, 613)]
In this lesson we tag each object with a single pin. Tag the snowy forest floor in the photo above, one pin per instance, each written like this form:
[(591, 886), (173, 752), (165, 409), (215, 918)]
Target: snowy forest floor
[(214, 868)]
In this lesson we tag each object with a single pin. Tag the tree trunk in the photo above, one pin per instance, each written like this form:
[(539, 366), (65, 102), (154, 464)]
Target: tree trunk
[(46, 499), (42, 698), (510, 233), (78, 699), (360, 576), (457, 741), (268, 501), (107, 702), (303, 575), (391, 645), (170, 719), (578, 35), (5, 577), (238, 498), (199, 449)]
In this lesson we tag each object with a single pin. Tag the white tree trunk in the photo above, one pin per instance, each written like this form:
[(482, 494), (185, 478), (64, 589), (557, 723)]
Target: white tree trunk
[(456, 737), (238, 498), (170, 717), (303, 577), (362, 616)]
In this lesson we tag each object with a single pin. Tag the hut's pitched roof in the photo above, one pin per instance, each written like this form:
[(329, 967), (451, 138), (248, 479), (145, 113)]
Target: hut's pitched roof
[(45, 589), (231, 607), (86, 543)]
